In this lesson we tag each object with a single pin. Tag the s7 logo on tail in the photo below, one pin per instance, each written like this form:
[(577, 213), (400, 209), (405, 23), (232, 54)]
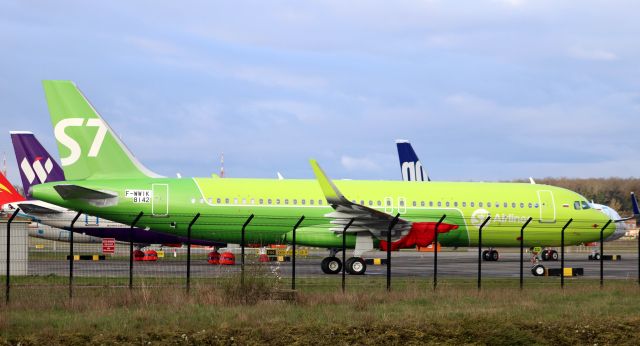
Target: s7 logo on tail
[(74, 148)]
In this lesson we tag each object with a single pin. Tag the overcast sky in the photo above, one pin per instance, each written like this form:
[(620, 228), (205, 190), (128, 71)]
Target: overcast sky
[(485, 90)]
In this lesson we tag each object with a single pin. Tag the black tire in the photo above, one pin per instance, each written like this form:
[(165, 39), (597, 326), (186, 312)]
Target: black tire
[(356, 266), (331, 265), (554, 255), (485, 255), (597, 256), (545, 255), (537, 270), (494, 255)]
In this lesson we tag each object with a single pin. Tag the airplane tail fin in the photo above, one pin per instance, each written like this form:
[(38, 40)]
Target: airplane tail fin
[(89, 148), (37, 166), (410, 165), (8, 193), (636, 209)]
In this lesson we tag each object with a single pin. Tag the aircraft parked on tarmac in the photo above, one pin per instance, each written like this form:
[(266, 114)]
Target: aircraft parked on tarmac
[(37, 166), (106, 180), (413, 170), (9, 197)]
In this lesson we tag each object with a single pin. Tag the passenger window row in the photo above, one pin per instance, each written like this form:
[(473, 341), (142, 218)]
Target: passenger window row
[(260, 201), (387, 203), (456, 204)]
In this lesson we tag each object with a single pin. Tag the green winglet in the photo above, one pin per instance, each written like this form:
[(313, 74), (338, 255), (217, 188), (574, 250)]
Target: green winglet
[(331, 192)]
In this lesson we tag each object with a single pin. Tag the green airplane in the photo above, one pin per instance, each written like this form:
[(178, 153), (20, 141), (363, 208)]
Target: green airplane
[(106, 180)]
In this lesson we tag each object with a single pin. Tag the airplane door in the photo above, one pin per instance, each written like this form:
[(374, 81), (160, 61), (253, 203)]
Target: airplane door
[(547, 206), (388, 205), (402, 205), (160, 201)]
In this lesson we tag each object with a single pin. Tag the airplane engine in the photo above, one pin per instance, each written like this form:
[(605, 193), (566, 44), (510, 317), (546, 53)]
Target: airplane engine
[(420, 234)]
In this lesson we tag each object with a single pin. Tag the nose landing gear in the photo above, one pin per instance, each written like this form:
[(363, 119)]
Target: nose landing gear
[(537, 269)]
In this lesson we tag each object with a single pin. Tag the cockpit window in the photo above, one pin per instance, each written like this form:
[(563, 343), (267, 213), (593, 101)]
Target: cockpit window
[(585, 205), (576, 205)]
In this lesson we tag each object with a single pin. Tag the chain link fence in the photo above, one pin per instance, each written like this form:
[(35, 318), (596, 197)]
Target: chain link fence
[(39, 259)]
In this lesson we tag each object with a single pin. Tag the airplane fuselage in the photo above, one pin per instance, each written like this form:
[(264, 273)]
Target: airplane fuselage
[(169, 205)]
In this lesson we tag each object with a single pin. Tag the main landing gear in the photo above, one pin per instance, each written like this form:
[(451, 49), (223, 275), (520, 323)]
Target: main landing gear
[(331, 265), (353, 265), (490, 255)]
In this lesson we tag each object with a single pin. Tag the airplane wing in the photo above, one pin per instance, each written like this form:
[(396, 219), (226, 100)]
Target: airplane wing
[(30, 208), (369, 219), (93, 197)]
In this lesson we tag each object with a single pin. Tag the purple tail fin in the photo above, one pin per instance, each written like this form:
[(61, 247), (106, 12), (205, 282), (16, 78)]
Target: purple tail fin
[(35, 163)]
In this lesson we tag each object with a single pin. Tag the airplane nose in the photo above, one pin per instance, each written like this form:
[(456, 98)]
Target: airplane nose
[(621, 230), (621, 227)]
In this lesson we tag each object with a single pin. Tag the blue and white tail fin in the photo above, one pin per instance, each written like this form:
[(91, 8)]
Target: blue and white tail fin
[(410, 165), (636, 209)]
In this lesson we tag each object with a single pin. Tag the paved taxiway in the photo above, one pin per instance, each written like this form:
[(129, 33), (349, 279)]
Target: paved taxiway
[(458, 264)]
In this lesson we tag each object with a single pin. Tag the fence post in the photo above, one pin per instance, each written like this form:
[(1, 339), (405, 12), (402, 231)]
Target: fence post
[(242, 244), (8, 272), (344, 250), (189, 251), (391, 225), (73, 222), (602, 252), (522, 251), (562, 255), (293, 254), (135, 221), (480, 251), (435, 253)]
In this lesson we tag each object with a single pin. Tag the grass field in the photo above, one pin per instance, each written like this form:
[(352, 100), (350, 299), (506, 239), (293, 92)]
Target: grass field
[(221, 312)]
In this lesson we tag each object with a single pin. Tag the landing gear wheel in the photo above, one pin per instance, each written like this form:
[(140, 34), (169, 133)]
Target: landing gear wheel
[(554, 255), (537, 270), (545, 255), (331, 265), (597, 256), (490, 255), (355, 266)]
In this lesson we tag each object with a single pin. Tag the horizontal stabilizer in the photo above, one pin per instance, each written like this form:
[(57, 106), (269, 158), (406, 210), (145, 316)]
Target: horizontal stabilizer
[(31, 208), (93, 197)]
